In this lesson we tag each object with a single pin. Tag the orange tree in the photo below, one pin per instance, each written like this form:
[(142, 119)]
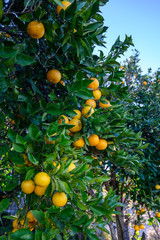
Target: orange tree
[(145, 112), (64, 142)]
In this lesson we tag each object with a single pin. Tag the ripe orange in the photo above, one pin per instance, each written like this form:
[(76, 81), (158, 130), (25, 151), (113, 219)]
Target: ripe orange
[(40, 191), (102, 145), (66, 4), (77, 125), (105, 105), (30, 217), (42, 179), (71, 167), (7, 35), (59, 199), (63, 119), (55, 164), (94, 85), (79, 143), (97, 94), (93, 140), (53, 76), (144, 83), (141, 226), (27, 186), (35, 29), (142, 210), (79, 114), (14, 229), (136, 228), (158, 214), (157, 187), (91, 102), (15, 223), (26, 160), (87, 111)]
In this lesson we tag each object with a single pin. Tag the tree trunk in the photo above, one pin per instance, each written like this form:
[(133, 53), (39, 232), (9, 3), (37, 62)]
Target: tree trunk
[(113, 230), (122, 226)]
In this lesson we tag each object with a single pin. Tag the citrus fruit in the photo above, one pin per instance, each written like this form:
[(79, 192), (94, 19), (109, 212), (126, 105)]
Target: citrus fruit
[(30, 217), (138, 212), (35, 29), (55, 164), (87, 111), (91, 102), (105, 105), (97, 94), (7, 35), (77, 125), (136, 228), (157, 187), (142, 210), (94, 84), (27, 186), (144, 83), (63, 119), (26, 160), (78, 114), (79, 143), (15, 223), (158, 214), (42, 179), (59, 199), (40, 191), (93, 140), (102, 145), (48, 141), (66, 4), (14, 229), (141, 226), (53, 76), (71, 167)]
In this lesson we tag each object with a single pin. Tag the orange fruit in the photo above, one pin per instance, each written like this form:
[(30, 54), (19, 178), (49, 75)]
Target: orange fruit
[(7, 35), (30, 217), (66, 4), (93, 140), (87, 111), (105, 105), (91, 102), (27, 186), (14, 229), (102, 145), (63, 119), (53, 76), (97, 94), (55, 164), (144, 83), (59, 199), (42, 179), (136, 228), (157, 187), (141, 226), (77, 125), (35, 29), (26, 160), (15, 223), (48, 141), (152, 82), (40, 191), (79, 114), (94, 84), (158, 214), (138, 212), (142, 210), (71, 167), (79, 143)]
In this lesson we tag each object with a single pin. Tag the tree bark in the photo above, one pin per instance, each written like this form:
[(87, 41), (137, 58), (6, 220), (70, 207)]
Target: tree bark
[(122, 226), (113, 230)]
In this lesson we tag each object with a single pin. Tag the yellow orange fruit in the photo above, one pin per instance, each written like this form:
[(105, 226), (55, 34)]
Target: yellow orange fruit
[(42, 179), (141, 226), (59, 199), (26, 160), (94, 84), (27, 186), (142, 210), (78, 114), (71, 167), (144, 83), (77, 125), (14, 229), (136, 228), (66, 4), (158, 214), (53, 76), (35, 29), (91, 102), (105, 105), (30, 217), (87, 111), (55, 164), (93, 140), (40, 191), (97, 94), (15, 223), (7, 35), (102, 145), (63, 119), (79, 143), (157, 187)]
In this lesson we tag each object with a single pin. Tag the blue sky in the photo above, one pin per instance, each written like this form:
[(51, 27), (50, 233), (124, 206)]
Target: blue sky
[(139, 18)]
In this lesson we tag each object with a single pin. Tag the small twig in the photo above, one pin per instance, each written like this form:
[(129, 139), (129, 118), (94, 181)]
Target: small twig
[(10, 5)]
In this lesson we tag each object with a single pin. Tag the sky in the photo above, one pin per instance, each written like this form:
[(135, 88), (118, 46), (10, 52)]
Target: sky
[(139, 18)]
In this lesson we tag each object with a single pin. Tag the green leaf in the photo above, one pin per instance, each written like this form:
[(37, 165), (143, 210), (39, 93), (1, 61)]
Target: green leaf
[(32, 159), (24, 60), (22, 234), (4, 204), (99, 211), (18, 147), (16, 158), (58, 2), (11, 134), (29, 174), (20, 139), (33, 131), (84, 94), (7, 52), (39, 215)]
